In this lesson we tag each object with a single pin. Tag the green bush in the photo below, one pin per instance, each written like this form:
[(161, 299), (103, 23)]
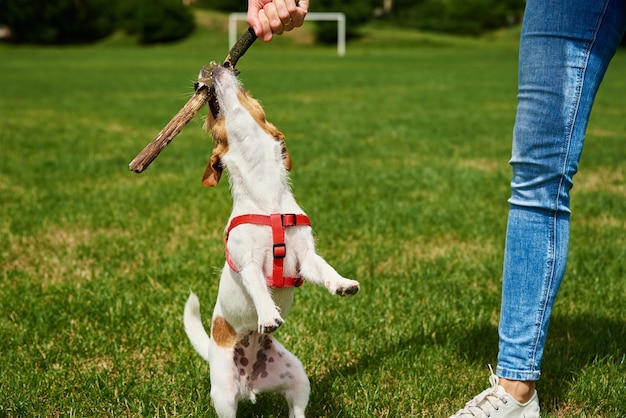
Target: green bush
[(82, 21), (228, 6), (457, 16), (357, 13), (59, 21), (156, 21)]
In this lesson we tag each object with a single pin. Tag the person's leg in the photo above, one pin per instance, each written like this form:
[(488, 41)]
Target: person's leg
[(565, 49)]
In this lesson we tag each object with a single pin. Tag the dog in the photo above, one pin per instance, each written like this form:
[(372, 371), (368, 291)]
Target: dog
[(269, 252)]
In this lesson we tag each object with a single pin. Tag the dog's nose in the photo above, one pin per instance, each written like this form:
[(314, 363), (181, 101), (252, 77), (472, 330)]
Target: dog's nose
[(215, 72), (220, 72)]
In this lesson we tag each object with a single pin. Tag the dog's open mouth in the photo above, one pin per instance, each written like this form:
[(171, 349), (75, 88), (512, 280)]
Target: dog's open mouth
[(206, 80)]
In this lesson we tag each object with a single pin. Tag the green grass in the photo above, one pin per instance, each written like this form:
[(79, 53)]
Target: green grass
[(399, 153)]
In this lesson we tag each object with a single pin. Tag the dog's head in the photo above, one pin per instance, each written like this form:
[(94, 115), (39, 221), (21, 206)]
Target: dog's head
[(221, 79)]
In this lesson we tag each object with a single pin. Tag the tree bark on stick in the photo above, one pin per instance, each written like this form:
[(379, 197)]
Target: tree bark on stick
[(202, 95)]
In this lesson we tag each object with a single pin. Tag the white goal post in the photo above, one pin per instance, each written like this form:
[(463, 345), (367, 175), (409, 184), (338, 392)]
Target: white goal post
[(339, 17)]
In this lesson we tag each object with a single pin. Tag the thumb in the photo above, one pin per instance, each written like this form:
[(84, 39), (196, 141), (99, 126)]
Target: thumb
[(303, 4), (253, 21)]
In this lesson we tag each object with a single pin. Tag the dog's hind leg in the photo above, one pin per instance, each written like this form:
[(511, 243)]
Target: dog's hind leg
[(225, 388), (297, 394), (274, 369), (225, 406), (293, 379)]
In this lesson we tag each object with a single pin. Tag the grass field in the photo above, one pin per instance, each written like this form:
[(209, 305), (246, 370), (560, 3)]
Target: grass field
[(399, 153)]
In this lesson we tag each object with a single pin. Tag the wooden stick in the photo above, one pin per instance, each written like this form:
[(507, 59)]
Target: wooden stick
[(202, 95), (240, 48)]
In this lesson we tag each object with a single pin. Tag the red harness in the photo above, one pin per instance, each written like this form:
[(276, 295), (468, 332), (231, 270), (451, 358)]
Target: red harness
[(278, 222)]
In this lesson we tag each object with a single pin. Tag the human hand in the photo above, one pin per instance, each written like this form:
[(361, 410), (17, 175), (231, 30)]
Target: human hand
[(273, 17)]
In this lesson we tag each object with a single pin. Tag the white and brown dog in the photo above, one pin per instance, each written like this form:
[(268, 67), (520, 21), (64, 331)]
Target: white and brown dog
[(269, 251)]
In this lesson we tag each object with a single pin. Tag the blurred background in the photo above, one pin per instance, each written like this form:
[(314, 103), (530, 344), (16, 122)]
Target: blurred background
[(157, 21)]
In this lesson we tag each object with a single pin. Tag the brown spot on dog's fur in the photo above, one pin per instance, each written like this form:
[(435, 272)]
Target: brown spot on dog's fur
[(223, 333), (240, 356), (245, 341), (259, 368)]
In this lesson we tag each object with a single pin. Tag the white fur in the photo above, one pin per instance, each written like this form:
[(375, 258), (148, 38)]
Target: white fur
[(259, 185)]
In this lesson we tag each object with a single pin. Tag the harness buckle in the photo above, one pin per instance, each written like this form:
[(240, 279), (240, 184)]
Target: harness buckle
[(279, 250), (288, 219)]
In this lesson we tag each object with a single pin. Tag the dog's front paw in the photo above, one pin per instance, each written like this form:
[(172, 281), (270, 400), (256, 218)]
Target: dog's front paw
[(271, 321), (270, 326), (345, 287)]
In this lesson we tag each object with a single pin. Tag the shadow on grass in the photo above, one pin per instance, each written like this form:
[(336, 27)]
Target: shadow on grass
[(574, 344)]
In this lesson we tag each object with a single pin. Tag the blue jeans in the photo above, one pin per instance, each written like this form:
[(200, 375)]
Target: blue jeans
[(565, 48)]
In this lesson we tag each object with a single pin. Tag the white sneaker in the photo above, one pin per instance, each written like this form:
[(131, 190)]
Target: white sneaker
[(495, 402)]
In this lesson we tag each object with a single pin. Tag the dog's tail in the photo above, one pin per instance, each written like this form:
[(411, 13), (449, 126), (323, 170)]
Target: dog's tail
[(194, 328)]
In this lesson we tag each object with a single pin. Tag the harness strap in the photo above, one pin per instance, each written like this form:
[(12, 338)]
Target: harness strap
[(278, 222)]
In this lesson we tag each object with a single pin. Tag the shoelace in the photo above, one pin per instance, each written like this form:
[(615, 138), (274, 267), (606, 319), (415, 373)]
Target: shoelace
[(485, 402)]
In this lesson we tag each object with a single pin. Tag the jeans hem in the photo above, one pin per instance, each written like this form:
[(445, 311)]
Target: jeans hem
[(518, 374)]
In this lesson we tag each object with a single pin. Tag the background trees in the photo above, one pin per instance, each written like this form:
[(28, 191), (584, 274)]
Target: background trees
[(83, 21), (61, 21), (80, 21), (469, 17)]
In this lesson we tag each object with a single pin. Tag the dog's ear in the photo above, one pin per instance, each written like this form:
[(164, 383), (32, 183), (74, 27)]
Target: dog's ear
[(213, 171), (286, 158), (214, 168)]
